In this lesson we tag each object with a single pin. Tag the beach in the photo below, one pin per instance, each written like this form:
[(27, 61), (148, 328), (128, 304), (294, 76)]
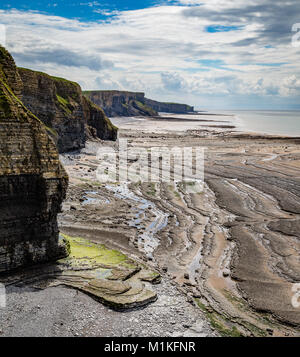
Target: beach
[(228, 256)]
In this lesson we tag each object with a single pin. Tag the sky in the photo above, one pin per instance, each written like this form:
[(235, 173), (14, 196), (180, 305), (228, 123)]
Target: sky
[(213, 54)]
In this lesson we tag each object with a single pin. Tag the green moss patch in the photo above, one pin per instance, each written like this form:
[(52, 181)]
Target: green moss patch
[(219, 323), (97, 254)]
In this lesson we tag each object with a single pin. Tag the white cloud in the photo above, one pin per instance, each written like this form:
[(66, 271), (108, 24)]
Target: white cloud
[(164, 50)]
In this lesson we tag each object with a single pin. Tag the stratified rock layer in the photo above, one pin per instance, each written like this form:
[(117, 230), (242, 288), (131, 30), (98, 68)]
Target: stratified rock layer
[(32, 181), (176, 108), (61, 105), (121, 103)]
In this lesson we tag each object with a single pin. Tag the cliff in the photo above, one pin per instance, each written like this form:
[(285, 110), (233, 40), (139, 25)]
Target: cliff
[(169, 107), (32, 181), (119, 103), (61, 105)]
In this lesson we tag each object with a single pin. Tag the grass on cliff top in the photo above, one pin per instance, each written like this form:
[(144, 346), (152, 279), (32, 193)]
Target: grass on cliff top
[(84, 249), (112, 91), (170, 103), (145, 108), (7, 101), (4, 53), (47, 75)]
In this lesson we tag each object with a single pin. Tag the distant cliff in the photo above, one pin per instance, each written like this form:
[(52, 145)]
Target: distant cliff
[(63, 108), (32, 181), (169, 107), (119, 103)]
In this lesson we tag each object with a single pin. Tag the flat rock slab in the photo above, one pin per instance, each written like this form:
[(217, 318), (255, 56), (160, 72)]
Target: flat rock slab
[(106, 275)]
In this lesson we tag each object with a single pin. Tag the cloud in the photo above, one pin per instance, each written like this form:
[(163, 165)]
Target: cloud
[(172, 81), (167, 50), (105, 81), (274, 19), (63, 57)]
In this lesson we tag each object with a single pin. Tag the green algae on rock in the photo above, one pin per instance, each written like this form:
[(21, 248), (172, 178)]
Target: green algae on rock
[(106, 274)]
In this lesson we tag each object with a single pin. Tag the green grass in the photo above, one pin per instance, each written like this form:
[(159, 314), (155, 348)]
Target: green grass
[(66, 81)]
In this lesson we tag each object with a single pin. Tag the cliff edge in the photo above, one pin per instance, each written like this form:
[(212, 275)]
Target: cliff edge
[(120, 103), (33, 183), (60, 104), (175, 108)]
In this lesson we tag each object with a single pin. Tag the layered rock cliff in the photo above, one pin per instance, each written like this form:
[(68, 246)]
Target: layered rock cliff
[(119, 103), (169, 107), (32, 181), (61, 105)]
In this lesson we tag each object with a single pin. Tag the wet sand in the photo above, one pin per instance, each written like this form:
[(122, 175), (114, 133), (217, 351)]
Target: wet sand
[(233, 248), (228, 255)]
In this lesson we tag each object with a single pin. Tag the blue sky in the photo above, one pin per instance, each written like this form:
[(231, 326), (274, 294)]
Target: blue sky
[(83, 10), (213, 54)]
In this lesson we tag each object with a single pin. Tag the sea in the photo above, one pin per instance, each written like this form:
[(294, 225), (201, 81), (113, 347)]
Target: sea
[(272, 122)]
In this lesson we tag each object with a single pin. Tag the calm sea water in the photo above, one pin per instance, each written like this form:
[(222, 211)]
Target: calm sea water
[(267, 121)]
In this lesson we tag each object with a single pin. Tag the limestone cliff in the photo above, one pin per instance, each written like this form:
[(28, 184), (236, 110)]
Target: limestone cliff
[(120, 103), (61, 105), (169, 107), (32, 181)]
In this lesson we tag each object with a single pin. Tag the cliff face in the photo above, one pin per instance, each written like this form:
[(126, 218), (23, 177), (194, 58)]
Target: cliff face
[(119, 103), (169, 107), (61, 105), (32, 181)]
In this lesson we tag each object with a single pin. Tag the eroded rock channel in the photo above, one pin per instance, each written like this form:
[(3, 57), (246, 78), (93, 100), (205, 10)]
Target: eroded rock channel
[(232, 250)]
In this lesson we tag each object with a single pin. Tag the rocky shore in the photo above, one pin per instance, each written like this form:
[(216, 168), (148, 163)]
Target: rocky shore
[(230, 248), (143, 258)]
